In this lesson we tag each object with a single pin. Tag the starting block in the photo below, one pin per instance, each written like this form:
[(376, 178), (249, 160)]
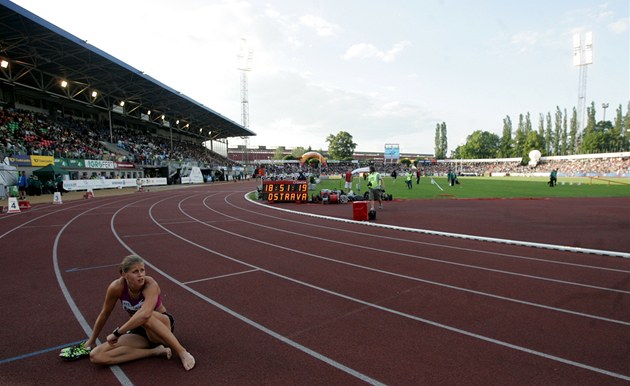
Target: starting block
[(57, 199), (14, 207), (24, 204), (89, 194)]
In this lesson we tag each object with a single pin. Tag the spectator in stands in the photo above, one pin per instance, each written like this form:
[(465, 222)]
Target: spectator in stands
[(149, 330)]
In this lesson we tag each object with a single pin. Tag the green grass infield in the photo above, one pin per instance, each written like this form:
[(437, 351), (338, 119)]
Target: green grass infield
[(492, 187)]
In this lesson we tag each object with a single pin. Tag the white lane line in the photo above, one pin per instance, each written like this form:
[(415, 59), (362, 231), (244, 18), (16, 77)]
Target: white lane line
[(235, 314), (455, 235), (118, 372), (395, 312), (599, 288), (220, 277), (446, 246), (486, 294)]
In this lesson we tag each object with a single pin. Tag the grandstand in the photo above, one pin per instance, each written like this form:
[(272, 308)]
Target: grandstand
[(65, 101)]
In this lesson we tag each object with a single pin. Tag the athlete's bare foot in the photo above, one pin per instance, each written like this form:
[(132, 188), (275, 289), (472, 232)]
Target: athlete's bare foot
[(187, 360), (166, 351)]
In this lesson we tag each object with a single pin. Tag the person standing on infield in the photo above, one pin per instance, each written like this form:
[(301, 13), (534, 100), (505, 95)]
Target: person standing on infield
[(376, 186), (348, 178)]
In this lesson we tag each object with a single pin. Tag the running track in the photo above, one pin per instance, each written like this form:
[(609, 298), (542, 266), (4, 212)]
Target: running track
[(266, 296)]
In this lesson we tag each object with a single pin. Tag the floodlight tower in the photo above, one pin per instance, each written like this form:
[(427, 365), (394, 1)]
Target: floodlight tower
[(245, 56), (582, 57)]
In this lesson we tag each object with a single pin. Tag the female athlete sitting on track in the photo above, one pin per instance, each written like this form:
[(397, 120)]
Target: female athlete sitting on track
[(149, 330)]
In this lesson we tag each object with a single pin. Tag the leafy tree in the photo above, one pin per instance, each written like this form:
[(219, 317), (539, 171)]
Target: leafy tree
[(557, 135), (480, 144), (505, 146), (278, 154), (299, 151), (340, 146), (534, 141), (541, 131), (519, 137), (563, 142), (528, 124), (573, 133), (441, 141), (549, 139), (592, 140)]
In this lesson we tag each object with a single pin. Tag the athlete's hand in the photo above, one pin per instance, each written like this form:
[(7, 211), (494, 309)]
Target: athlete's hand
[(112, 339)]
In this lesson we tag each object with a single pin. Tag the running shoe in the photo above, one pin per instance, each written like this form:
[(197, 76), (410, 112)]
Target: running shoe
[(75, 352)]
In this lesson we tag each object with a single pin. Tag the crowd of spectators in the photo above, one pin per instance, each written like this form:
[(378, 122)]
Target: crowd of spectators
[(31, 133), (611, 166)]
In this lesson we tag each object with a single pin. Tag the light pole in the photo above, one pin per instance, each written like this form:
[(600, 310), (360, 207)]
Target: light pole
[(604, 106)]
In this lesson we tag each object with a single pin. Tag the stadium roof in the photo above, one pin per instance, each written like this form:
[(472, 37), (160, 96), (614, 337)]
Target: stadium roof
[(41, 55)]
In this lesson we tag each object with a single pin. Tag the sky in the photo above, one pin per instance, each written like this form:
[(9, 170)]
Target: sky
[(386, 72)]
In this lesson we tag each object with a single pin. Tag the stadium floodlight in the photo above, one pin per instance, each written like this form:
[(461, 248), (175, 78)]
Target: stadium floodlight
[(582, 58), (122, 103), (94, 94), (64, 84), (4, 64)]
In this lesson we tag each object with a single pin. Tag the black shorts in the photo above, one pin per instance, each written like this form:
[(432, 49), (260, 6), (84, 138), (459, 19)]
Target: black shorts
[(142, 332)]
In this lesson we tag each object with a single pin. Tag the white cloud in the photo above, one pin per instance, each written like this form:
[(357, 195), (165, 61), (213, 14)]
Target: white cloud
[(619, 26), (368, 51), (321, 26), (525, 40)]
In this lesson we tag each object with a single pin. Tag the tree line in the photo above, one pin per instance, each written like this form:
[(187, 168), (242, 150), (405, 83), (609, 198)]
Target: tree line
[(555, 135)]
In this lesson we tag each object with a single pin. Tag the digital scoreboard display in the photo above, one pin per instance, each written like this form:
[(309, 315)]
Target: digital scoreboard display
[(285, 191)]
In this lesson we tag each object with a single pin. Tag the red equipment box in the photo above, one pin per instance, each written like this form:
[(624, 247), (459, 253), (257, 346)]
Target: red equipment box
[(360, 210)]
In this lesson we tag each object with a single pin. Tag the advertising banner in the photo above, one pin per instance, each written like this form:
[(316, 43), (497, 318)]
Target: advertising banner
[(69, 163), (42, 160), (99, 164)]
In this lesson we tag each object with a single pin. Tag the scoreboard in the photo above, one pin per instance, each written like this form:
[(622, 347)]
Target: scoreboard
[(285, 191)]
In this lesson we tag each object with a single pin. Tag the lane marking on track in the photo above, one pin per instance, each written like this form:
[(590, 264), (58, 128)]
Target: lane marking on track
[(34, 353), (485, 252), (116, 370), (454, 235), (399, 313), (76, 269), (599, 288), (145, 235), (359, 301), (235, 314), (480, 293), (220, 277)]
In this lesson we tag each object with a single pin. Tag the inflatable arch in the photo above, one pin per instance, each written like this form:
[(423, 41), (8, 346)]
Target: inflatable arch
[(312, 154)]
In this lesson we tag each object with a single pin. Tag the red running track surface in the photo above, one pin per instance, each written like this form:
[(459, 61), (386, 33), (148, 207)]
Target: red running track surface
[(267, 296)]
